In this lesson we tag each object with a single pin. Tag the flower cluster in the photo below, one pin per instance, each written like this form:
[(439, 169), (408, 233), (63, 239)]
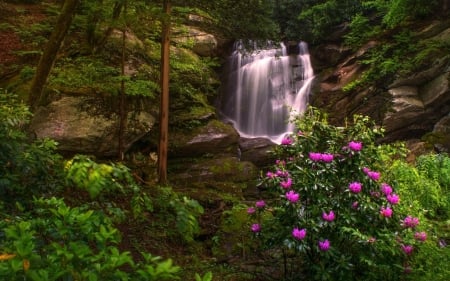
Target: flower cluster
[(322, 203), (324, 157)]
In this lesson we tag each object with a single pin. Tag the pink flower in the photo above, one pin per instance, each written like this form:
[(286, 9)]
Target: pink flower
[(355, 205), (256, 227), (315, 156), (421, 236), (355, 187), (365, 170), (286, 184), (327, 157), (393, 198), (386, 212), (251, 210), (292, 196), (355, 146), (286, 141), (271, 175), (281, 173), (324, 245), (328, 217), (410, 222), (373, 175), (386, 189), (260, 204), (407, 249), (299, 234)]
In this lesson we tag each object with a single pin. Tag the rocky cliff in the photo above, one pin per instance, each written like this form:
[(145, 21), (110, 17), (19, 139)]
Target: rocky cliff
[(412, 107)]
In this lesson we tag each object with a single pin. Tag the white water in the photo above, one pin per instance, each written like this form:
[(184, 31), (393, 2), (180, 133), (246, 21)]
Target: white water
[(264, 89)]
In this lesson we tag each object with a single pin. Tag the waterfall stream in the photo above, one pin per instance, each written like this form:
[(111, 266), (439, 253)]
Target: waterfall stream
[(264, 88)]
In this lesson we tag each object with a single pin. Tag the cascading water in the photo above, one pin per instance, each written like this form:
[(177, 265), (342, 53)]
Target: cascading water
[(264, 89)]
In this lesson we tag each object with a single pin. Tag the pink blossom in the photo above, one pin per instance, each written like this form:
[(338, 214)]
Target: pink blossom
[(286, 184), (299, 234), (355, 187), (256, 227), (327, 157), (410, 222), (324, 245), (365, 170), (421, 236), (271, 175), (407, 249), (386, 189), (328, 217), (286, 141), (355, 205), (393, 198), (315, 156), (386, 212), (251, 210), (355, 146), (292, 196), (260, 204), (281, 173), (373, 175)]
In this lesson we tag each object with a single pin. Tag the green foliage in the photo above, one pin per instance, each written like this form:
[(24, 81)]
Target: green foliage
[(180, 214), (26, 169), (427, 184), (85, 72), (63, 243), (98, 179), (319, 165), (206, 277)]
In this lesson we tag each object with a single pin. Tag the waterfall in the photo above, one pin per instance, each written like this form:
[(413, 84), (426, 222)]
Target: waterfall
[(263, 89)]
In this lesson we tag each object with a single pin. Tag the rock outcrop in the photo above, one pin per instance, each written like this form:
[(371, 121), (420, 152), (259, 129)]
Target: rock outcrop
[(88, 125), (408, 108)]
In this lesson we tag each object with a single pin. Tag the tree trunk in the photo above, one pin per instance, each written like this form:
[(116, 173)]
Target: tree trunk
[(122, 110), (48, 57), (164, 106)]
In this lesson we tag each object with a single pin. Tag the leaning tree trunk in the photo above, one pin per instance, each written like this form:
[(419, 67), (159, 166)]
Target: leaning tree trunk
[(48, 57), (164, 106)]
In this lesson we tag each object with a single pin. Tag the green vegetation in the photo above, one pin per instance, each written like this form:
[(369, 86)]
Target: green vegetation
[(88, 219), (47, 237), (342, 207)]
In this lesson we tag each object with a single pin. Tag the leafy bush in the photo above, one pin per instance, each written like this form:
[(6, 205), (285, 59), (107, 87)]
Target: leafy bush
[(332, 213), (63, 243), (27, 169)]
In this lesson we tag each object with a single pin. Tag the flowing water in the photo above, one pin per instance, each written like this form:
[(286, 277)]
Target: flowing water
[(264, 89)]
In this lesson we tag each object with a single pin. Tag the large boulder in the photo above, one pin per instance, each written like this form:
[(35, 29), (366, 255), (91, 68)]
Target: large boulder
[(214, 138), (203, 44), (84, 124)]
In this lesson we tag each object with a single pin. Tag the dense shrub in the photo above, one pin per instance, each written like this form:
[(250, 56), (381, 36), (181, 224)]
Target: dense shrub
[(333, 213), (27, 168)]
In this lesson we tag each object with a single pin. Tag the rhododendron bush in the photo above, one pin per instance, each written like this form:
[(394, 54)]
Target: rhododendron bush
[(329, 212)]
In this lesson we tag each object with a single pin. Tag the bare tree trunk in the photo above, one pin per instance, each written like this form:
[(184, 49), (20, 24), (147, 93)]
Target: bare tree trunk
[(164, 107), (122, 110), (48, 57)]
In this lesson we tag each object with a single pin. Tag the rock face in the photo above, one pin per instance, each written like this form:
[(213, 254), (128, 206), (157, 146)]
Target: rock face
[(203, 44), (83, 124), (214, 138), (409, 108)]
